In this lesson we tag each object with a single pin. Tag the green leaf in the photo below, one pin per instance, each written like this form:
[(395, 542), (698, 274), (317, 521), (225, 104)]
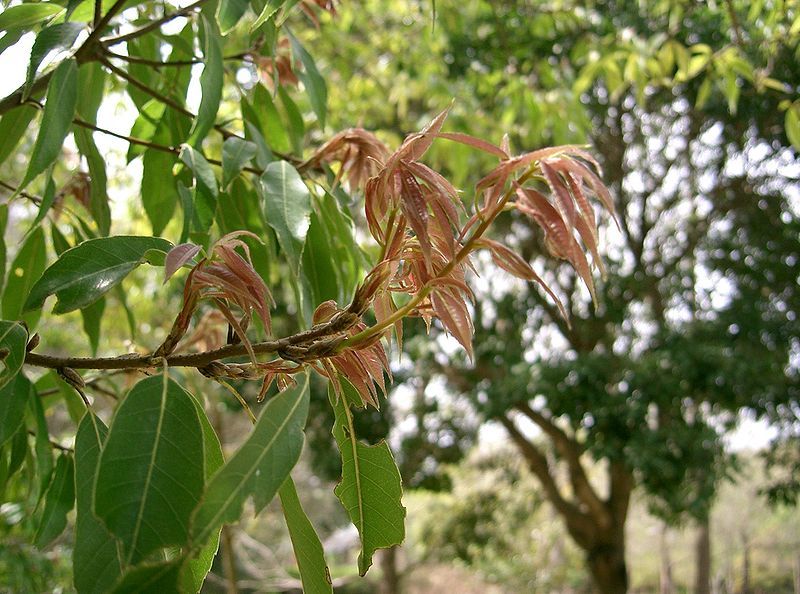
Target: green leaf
[(25, 270), (308, 551), (147, 124), (259, 467), (195, 569), (264, 114), (82, 274), (19, 451), (92, 317), (297, 127), (13, 400), (13, 340), (236, 154), (3, 252), (371, 488), (58, 502), (207, 191), (96, 562), (312, 80), (25, 15), (320, 267), (13, 126), (151, 577), (210, 82), (56, 37), (91, 85), (98, 189), (150, 475), (229, 13), (287, 208), (44, 451), (792, 124), (159, 194), (271, 7), (62, 97)]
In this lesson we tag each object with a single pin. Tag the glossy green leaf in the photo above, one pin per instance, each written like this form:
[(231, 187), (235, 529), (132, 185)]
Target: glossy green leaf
[(150, 474), (13, 126), (25, 15), (59, 501), (13, 340), (96, 562), (82, 274), (236, 154), (24, 271), (13, 400), (371, 488), (271, 7), (287, 208), (210, 82), (320, 268), (312, 80), (259, 467), (62, 97), (229, 13), (308, 551), (207, 190)]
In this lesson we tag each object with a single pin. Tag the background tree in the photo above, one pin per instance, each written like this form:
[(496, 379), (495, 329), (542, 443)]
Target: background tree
[(687, 103)]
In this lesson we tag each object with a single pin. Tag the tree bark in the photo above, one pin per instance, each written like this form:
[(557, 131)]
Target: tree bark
[(702, 578), (666, 585), (606, 563)]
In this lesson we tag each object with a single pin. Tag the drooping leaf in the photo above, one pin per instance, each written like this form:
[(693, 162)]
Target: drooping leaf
[(25, 15), (259, 467), (312, 80), (13, 126), (92, 318), (207, 190), (62, 97), (98, 186), (159, 194), (210, 82), (19, 451), (229, 13), (262, 113), (151, 470), (84, 273), (13, 340), (55, 37), (287, 208), (13, 400), (308, 551), (42, 447), (25, 270), (96, 563), (371, 488), (195, 569), (320, 268), (58, 502), (297, 127), (236, 154)]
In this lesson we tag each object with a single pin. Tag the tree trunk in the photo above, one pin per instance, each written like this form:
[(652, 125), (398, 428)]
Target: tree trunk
[(607, 566), (390, 584), (746, 565), (702, 577), (666, 584)]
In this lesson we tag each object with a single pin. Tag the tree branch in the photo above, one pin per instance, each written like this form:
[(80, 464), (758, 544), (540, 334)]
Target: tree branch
[(151, 26), (571, 452)]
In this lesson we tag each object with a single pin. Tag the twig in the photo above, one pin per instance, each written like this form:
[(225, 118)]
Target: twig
[(54, 444), (737, 30), (151, 26)]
